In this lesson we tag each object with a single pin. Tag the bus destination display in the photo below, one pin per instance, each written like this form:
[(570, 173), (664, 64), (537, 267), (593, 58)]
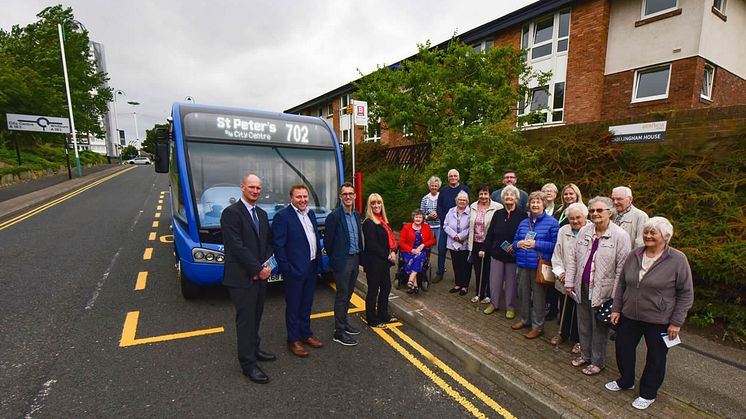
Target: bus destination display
[(255, 129)]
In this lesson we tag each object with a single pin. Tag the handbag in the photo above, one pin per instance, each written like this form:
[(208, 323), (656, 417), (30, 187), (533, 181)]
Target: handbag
[(544, 274), (603, 314)]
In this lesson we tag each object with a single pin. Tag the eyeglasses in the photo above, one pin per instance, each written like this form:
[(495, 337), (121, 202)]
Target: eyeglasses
[(598, 210), (348, 194)]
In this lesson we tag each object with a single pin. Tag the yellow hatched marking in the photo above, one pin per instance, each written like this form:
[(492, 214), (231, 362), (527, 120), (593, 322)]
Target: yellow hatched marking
[(50, 204), (152, 236), (155, 224), (157, 215), (453, 374), (159, 207), (430, 374), (129, 332), (148, 253), (142, 279)]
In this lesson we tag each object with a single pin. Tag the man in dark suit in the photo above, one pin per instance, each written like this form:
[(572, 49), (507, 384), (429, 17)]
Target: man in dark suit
[(248, 245), (298, 251), (343, 241)]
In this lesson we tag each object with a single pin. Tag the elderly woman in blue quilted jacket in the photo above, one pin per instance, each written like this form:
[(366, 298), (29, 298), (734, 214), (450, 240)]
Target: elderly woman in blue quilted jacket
[(536, 235)]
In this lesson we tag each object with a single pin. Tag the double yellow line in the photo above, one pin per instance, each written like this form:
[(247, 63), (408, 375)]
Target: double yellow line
[(50, 204)]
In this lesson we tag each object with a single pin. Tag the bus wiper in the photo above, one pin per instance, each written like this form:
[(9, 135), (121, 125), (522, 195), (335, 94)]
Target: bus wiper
[(305, 180)]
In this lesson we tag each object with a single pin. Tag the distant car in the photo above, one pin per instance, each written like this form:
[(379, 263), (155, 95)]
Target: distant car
[(139, 160)]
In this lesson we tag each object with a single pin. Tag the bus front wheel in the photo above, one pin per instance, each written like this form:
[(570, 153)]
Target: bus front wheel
[(188, 289)]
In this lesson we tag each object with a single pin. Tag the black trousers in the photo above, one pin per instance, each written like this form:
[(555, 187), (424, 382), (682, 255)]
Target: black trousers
[(461, 268), (249, 304), (482, 278), (378, 274), (628, 335), (570, 321)]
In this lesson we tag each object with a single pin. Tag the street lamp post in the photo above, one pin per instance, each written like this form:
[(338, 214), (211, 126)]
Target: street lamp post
[(69, 101), (116, 118), (134, 113)]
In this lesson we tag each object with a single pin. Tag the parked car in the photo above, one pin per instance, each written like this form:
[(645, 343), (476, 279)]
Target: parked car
[(139, 160)]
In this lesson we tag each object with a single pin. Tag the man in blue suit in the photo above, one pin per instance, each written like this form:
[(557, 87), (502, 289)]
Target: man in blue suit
[(343, 241), (297, 248)]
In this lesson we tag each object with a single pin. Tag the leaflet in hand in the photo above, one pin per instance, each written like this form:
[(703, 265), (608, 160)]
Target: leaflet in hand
[(506, 246), (271, 263), (530, 235), (669, 343)]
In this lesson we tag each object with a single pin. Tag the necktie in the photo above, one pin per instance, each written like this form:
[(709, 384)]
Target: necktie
[(256, 219)]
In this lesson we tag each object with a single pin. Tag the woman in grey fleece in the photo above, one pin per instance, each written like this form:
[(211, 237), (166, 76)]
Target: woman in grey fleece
[(652, 298)]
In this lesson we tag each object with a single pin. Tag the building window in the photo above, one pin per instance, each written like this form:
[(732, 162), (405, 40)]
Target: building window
[(483, 46), (346, 136), (651, 83), (707, 81), (558, 102), (536, 107), (344, 101), (329, 110), (718, 8), (657, 7), (539, 38), (321, 111)]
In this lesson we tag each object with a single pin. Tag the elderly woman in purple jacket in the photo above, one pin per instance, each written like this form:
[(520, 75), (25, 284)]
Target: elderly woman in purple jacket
[(536, 235), (456, 227), (652, 298)]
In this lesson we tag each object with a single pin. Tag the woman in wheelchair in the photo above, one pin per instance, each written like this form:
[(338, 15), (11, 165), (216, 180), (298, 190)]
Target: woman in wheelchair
[(414, 240)]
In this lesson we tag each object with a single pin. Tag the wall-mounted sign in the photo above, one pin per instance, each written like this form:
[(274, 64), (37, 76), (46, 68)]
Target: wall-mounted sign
[(648, 132), (36, 123)]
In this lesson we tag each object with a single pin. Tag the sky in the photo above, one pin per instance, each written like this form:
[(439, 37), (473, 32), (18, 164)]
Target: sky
[(269, 55)]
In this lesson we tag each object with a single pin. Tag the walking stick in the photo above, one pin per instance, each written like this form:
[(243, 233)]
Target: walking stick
[(479, 282), (562, 321)]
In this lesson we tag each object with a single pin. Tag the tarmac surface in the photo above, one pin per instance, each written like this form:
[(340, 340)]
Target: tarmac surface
[(703, 378)]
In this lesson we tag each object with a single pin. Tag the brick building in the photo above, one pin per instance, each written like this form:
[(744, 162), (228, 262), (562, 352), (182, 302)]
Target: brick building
[(610, 60)]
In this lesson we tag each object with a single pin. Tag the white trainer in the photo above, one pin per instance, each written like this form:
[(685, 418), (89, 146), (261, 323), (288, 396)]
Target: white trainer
[(642, 404), (613, 386)]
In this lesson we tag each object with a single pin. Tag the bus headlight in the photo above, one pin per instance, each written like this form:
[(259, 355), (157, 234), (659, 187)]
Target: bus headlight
[(207, 256)]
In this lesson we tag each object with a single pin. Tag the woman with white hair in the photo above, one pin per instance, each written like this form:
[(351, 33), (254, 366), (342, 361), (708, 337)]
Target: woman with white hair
[(456, 227), (592, 272), (429, 205), (577, 214), (655, 292)]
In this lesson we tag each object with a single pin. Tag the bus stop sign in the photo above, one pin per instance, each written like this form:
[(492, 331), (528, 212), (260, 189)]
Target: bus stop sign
[(36, 123)]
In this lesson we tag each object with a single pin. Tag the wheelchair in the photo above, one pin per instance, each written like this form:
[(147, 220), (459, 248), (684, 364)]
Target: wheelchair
[(423, 278)]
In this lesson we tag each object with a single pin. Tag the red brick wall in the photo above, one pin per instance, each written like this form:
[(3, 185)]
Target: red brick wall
[(683, 91), (586, 60)]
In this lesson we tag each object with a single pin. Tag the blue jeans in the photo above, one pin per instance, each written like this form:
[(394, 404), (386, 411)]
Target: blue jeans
[(442, 241)]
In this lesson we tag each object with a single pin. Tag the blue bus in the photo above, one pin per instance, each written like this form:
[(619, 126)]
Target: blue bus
[(206, 151)]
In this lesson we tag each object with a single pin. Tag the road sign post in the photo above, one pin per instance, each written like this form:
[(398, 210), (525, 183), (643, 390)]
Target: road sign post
[(37, 123)]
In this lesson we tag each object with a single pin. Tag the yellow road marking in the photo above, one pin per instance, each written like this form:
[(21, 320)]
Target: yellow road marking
[(152, 236), (456, 376), (159, 207), (160, 201), (167, 238), (129, 332), (331, 313), (50, 204), (155, 224), (430, 374), (148, 253), (142, 279), (157, 215)]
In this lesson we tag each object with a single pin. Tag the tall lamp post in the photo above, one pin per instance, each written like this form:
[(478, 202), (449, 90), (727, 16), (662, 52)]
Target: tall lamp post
[(134, 113), (67, 89), (116, 116)]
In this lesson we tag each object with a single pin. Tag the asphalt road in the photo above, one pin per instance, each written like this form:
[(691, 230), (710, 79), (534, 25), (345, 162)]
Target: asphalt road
[(78, 340)]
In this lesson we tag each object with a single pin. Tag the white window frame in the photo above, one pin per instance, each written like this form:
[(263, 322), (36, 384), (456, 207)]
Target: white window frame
[(554, 41), (709, 69), (344, 100), (376, 132), (650, 70), (720, 9), (484, 45), (345, 136), (330, 110), (660, 12)]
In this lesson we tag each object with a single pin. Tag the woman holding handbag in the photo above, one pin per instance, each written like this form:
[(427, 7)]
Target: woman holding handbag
[(592, 271), (534, 241)]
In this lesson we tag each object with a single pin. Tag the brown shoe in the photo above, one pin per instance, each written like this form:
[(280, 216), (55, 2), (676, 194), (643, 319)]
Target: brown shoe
[(313, 342), (297, 349), (533, 334), (518, 325)]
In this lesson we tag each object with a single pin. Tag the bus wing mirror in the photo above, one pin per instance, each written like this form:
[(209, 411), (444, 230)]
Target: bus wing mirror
[(161, 150)]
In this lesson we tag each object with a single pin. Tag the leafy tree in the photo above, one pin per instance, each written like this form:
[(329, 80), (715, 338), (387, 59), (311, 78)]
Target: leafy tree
[(129, 152), (148, 145), (31, 74), (460, 101)]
